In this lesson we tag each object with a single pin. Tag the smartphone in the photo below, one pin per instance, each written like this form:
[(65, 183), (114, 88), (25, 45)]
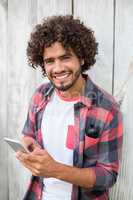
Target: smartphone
[(16, 145)]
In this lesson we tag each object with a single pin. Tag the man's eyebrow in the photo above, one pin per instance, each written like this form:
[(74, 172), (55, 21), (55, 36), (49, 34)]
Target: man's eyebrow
[(49, 58), (61, 56), (65, 54)]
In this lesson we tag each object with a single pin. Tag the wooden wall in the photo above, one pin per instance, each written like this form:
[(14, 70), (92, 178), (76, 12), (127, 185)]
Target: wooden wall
[(112, 21)]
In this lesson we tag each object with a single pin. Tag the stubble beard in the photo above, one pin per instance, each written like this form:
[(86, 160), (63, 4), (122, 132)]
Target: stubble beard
[(64, 87)]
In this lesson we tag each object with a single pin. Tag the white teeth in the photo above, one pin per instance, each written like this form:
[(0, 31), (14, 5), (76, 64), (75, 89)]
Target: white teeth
[(62, 77)]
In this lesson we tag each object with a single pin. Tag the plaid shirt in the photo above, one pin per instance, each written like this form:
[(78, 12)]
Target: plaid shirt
[(97, 142)]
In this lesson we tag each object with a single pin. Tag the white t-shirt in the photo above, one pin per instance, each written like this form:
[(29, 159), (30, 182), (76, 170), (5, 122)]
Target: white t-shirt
[(57, 129)]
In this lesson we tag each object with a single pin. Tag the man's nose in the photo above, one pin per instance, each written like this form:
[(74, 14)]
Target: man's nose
[(58, 67)]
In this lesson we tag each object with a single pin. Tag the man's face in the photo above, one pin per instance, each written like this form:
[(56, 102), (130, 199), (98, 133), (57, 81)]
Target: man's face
[(63, 68)]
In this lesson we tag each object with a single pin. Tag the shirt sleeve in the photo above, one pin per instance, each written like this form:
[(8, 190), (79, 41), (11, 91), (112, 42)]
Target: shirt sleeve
[(30, 123), (110, 150), (29, 126)]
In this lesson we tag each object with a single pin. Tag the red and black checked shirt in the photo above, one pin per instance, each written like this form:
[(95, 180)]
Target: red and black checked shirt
[(97, 139)]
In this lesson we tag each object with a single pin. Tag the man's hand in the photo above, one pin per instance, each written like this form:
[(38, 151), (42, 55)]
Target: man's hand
[(39, 162), (30, 143)]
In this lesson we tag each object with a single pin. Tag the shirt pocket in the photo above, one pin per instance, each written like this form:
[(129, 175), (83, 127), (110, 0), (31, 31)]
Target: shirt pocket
[(70, 137), (93, 131)]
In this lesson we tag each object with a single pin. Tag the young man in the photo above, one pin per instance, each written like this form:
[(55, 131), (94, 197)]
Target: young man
[(73, 128)]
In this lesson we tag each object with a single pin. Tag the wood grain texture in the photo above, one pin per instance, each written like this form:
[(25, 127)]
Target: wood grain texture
[(20, 86), (3, 101), (22, 80), (123, 42), (123, 188), (53, 7), (123, 87), (98, 15)]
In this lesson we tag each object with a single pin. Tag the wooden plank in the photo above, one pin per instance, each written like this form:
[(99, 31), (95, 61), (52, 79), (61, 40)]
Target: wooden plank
[(48, 8), (123, 85), (123, 188), (123, 41), (22, 79), (53, 7), (99, 16), (21, 83), (3, 100)]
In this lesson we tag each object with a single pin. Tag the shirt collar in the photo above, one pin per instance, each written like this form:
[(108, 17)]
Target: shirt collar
[(88, 97), (90, 92)]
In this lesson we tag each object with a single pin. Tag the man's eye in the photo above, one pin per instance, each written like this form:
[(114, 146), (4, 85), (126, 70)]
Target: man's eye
[(66, 58), (49, 61)]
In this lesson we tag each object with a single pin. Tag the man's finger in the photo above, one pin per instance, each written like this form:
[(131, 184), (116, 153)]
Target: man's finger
[(38, 151), (30, 143), (26, 157)]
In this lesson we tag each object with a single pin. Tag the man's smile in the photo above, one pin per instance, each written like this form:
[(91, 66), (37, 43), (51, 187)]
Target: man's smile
[(61, 76)]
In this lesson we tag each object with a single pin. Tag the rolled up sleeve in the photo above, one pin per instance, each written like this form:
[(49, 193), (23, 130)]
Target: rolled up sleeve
[(110, 152)]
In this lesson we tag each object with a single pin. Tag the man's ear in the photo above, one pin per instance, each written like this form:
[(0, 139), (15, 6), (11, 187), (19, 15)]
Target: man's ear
[(82, 62)]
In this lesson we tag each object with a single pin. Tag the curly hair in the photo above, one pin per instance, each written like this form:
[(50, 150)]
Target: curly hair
[(70, 32)]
